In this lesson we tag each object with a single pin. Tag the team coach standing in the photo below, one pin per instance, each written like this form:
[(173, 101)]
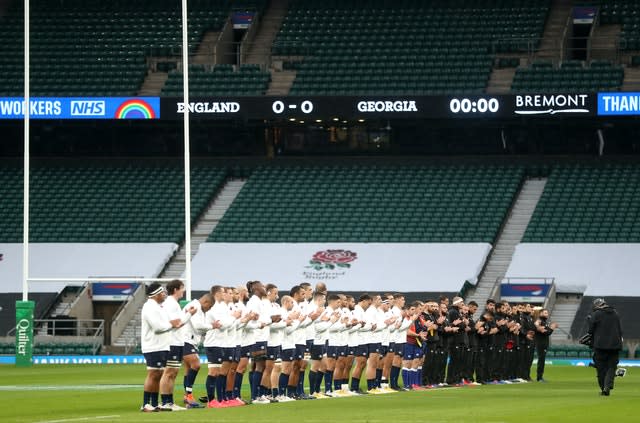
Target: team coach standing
[(604, 327)]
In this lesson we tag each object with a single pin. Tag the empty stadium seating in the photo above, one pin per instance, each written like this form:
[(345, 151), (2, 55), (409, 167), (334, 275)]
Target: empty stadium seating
[(588, 204), (96, 47), (402, 47), (103, 202), (625, 13), (222, 80), (369, 203), (570, 76)]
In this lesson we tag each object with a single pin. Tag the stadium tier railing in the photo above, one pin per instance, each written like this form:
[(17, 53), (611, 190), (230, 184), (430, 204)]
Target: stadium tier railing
[(557, 50), (58, 333), (126, 311)]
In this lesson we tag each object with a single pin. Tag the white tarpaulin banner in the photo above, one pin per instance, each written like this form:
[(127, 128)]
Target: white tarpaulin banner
[(407, 267), (605, 269), (80, 260)]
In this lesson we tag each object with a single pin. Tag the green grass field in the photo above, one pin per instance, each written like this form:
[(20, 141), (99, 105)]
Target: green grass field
[(113, 393)]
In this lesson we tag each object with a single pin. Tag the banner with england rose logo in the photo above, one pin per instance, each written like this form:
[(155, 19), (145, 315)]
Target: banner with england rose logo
[(406, 267)]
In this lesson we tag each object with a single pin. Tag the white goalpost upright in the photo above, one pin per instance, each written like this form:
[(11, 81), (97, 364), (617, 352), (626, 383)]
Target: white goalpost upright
[(187, 153), (27, 112)]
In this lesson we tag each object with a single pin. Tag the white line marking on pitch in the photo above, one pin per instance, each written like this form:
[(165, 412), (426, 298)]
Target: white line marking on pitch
[(79, 419), (65, 387)]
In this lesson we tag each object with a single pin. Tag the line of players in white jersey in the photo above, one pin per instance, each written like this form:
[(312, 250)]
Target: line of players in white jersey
[(335, 337)]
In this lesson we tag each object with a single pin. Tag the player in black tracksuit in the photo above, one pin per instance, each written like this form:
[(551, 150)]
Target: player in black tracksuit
[(512, 349), (544, 329), (527, 331), (604, 326), (442, 344), (471, 355), (458, 341), (497, 369), (430, 359), (486, 330)]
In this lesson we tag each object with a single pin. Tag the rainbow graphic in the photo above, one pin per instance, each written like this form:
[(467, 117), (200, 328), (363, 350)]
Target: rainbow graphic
[(135, 109)]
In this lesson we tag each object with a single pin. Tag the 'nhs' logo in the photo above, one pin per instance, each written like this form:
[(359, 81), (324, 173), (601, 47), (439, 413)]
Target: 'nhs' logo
[(87, 108)]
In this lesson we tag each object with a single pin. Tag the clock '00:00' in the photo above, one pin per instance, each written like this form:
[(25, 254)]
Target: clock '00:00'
[(481, 105)]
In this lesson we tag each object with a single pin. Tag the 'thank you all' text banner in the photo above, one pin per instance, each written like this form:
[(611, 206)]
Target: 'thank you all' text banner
[(406, 267)]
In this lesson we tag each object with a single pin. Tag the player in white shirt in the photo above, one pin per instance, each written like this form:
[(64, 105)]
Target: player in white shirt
[(219, 346), (193, 332), (175, 292), (361, 337), (292, 319), (319, 349), (296, 378), (335, 341), (258, 331), (399, 336), (242, 350), (274, 342), (384, 364), (352, 345), (155, 339)]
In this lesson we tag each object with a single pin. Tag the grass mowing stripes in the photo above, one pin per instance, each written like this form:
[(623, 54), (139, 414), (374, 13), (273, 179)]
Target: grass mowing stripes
[(571, 395)]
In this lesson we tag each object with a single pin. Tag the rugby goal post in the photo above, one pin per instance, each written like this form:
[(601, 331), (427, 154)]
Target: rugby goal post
[(25, 308)]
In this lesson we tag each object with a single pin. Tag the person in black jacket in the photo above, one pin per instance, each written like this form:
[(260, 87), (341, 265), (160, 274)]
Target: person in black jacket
[(527, 333), (544, 329), (458, 341), (604, 327)]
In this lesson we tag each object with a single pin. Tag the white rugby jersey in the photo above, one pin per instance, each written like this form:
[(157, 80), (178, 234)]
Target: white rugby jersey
[(239, 328), (197, 325), (310, 307), (289, 340), (362, 335), (155, 331), (352, 337), (299, 334), (174, 311), (262, 335), (397, 313), (402, 331), (388, 330), (322, 327), (253, 305), (336, 331), (276, 329), (374, 315), (220, 337)]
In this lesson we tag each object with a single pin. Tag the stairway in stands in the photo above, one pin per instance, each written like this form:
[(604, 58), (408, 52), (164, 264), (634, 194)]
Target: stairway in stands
[(510, 236), (554, 30), (199, 234), (270, 24), (563, 313)]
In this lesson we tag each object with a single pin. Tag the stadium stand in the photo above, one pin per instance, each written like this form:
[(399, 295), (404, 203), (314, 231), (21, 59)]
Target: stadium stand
[(625, 13), (104, 202), (588, 204), (222, 80), (402, 47), (569, 76), (371, 204), (95, 47), (584, 231)]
